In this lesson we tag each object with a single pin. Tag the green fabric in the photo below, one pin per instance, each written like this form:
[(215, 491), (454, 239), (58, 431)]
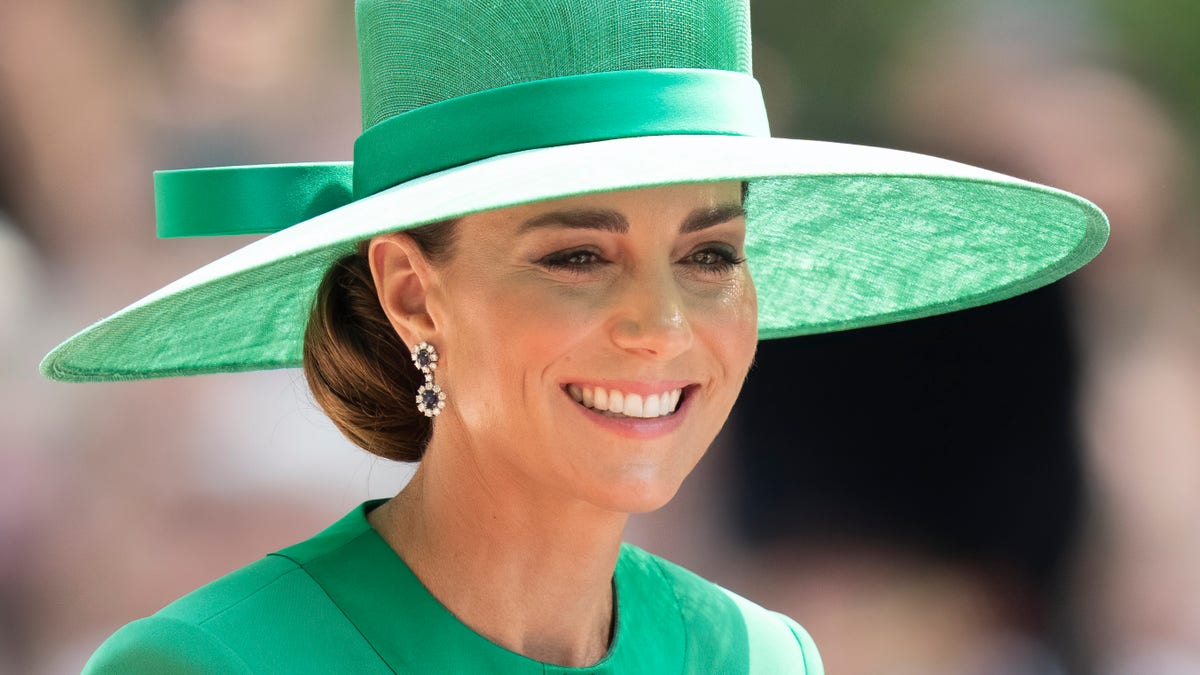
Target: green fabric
[(777, 643), (268, 617), (577, 109), (867, 250), (344, 602), (247, 199), (165, 645), (812, 658), (558, 111), (412, 54)]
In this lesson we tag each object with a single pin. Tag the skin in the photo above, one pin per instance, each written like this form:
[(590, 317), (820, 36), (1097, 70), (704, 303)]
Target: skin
[(514, 518)]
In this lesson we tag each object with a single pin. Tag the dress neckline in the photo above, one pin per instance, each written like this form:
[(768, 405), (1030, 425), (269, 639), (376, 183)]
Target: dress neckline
[(411, 630)]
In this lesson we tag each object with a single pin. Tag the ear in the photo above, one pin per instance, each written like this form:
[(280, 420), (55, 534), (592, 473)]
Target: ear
[(403, 278)]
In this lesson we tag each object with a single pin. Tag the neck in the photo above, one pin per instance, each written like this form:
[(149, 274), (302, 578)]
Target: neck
[(530, 571)]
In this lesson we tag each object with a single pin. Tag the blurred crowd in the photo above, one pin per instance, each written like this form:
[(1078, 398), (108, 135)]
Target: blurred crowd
[(1011, 490)]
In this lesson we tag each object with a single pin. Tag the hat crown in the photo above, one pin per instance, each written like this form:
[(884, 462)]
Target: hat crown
[(416, 52)]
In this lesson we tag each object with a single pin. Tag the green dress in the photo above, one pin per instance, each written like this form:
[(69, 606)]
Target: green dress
[(344, 602)]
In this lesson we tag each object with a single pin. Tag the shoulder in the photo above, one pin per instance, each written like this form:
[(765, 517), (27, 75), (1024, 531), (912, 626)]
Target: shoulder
[(164, 645), (723, 626), (177, 638), (269, 616), (777, 643)]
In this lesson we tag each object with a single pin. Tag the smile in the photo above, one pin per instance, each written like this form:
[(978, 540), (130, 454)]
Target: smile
[(617, 403)]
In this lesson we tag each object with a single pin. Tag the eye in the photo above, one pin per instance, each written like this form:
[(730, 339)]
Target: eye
[(714, 258), (577, 260), (708, 258)]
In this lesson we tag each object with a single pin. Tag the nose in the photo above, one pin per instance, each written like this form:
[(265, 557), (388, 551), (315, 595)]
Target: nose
[(651, 318)]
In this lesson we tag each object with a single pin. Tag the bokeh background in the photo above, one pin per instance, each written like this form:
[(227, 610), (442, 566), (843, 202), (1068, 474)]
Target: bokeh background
[(1011, 490)]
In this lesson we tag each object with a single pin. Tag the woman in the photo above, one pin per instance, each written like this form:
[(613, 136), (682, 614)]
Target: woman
[(535, 278)]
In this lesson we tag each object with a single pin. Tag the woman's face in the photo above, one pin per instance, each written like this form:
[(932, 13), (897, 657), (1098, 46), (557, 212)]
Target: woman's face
[(593, 346)]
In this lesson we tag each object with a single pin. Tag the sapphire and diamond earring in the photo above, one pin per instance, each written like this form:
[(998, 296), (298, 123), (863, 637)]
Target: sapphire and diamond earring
[(430, 397)]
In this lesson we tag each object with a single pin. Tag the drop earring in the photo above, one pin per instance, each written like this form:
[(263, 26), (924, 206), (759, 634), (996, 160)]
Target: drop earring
[(430, 397)]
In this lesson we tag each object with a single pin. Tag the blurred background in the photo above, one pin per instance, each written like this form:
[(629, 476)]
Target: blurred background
[(1008, 490)]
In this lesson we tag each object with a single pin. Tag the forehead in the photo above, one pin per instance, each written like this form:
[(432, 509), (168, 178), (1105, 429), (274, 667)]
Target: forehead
[(662, 205)]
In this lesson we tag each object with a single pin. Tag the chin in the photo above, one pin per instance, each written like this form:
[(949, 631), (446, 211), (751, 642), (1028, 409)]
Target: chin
[(637, 496), (639, 477)]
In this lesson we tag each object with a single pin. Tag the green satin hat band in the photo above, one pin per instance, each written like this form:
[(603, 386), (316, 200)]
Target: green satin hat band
[(247, 199), (543, 113)]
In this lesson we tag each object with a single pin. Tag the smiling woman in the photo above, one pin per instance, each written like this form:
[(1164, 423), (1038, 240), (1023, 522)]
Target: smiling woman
[(636, 293), (543, 278)]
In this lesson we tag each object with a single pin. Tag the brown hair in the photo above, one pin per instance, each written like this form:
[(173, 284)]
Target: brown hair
[(359, 370)]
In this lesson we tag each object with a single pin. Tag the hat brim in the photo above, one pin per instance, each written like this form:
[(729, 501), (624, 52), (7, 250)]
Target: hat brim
[(839, 236)]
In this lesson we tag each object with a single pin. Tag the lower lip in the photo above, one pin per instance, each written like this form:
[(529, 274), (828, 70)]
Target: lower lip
[(637, 427)]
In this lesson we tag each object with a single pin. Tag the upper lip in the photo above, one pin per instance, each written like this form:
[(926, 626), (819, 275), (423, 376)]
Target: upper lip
[(641, 387)]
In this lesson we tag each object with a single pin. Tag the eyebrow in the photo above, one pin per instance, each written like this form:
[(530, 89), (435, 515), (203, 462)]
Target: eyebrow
[(702, 219), (578, 219), (613, 221)]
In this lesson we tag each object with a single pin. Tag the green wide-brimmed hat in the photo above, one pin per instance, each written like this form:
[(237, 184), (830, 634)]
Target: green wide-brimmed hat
[(472, 105)]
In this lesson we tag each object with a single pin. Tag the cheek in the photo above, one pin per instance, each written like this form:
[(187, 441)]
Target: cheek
[(730, 324), (512, 338)]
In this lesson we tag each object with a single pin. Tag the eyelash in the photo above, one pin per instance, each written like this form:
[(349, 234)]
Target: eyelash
[(724, 260), (562, 260)]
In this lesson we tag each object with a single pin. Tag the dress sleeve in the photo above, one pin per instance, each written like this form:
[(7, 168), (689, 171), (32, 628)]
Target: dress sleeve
[(159, 645), (777, 643), (812, 658)]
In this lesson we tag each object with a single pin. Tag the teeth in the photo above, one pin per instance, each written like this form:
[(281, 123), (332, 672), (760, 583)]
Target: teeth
[(650, 407), (625, 404), (633, 405)]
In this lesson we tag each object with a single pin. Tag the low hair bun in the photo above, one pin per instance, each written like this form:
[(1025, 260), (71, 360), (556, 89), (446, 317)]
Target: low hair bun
[(359, 369)]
